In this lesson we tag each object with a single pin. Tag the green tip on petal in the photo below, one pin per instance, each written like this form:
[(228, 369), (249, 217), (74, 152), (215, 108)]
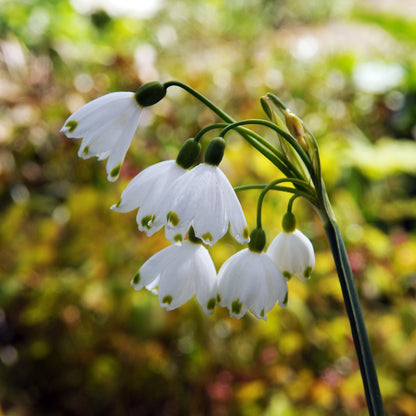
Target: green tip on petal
[(236, 307), (218, 298), (167, 299), (211, 304), (136, 278), (307, 273), (286, 299), (207, 237), (115, 171), (173, 218), (147, 221), (262, 313), (71, 125), (86, 150), (287, 275), (245, 233), (118, 203), (178, 238)]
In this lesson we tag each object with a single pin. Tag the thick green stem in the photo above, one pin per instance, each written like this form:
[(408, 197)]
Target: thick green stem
[(355, 316)]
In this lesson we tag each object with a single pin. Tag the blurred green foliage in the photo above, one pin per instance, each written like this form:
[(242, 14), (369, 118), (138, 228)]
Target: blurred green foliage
[(75, 339)]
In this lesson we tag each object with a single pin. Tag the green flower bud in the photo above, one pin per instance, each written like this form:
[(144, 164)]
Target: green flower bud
[(257, 240), (289, 222), (215, 151), (150, 93), (188, 154)]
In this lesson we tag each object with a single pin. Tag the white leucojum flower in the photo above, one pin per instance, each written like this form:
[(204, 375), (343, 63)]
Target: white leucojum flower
[(177, 273), (293, 254), (146, 190), (250, 280), (204, 199), (106, 126)]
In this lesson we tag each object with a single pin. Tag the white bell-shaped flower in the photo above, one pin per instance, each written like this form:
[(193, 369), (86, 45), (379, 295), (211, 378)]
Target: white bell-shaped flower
[(249, 280), (178, 272), (146, 190), (293, 254), (106, 126), (204, 199)]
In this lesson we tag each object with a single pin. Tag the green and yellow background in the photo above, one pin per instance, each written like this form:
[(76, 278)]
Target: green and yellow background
[(75, 338)]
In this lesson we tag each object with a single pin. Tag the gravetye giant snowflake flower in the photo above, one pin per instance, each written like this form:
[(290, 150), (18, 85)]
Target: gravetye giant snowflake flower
[(204, 199), (146, 190), (107, 124), (250, 280), (179, 272)]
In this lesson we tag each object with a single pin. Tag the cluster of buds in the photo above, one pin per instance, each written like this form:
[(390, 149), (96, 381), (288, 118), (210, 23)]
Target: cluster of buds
[(196, 205)]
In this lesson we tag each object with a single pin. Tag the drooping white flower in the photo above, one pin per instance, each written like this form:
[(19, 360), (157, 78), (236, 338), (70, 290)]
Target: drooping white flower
[(293, 254), (178, 272), (146, 190), (204, 199), (249, 280), (106, 126)]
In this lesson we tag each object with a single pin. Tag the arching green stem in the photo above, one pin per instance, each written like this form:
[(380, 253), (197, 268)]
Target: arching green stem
[(206, 129), (292, 141)]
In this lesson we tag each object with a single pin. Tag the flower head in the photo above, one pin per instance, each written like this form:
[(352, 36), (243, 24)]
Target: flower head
[(146, 190), (249, 280), (178, 272), (204, 199), (293, 254), (106, 126)]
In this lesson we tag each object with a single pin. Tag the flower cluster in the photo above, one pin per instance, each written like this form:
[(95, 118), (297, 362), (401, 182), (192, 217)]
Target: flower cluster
[(196, 205)]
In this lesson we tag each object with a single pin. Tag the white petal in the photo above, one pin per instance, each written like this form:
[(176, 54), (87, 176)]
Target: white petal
[(235, 212), (93, 114), (205, 279), (107, 126), (293, 254)]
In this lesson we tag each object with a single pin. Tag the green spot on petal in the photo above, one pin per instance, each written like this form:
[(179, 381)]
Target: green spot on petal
[(207, 237), (307, 273), (114, 173), (245, 233), (167, 299), (262, 312), (147, 221), (287, 274), (218, 298), (286, 299), (211, 304), (118, 203), (86, 150), (173, 218), (136, 278), (178, 238), (71, 125), (236, 307)]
